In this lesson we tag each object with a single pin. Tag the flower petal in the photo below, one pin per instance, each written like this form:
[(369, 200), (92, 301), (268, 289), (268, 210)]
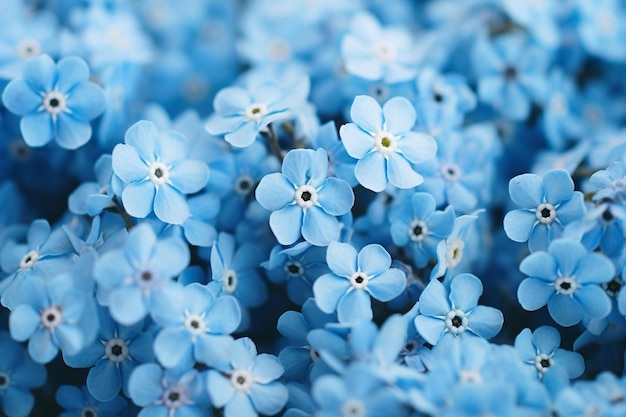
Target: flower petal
[(367, 114), (170, 206), (354, 307), (371, 172), (286, 224), (37, 128), (138, 198), (533, 293)]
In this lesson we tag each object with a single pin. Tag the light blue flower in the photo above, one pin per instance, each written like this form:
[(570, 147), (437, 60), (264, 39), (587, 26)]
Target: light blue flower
[(158, 172), (80, 403), (354, 279), (56, 101), (382, 141), (567, 278), (303, 201)]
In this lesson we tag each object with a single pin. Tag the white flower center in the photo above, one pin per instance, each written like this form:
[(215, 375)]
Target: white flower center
[(54, 102), (229, 281), (418, 230), (359, 280), (454, 253), (279, 50), (88, 412), (470, 376), (255, 112), (116, 350), (243, 185), (293, 268), (353, 408), (565, 285), (543, 362), (51, 317), (456, 322), (174, 398), (29, 260), (5, 380), (306, 196), (384, 51), (546, 213), (194, 323), (28, 48), (450, 172), (385, 142), (613, 287), (241, 380), (158, 173)]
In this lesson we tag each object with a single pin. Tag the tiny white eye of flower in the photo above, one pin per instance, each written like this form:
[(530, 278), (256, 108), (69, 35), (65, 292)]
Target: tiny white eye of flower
[(359, 280), (454, 252), (279, 50), (116, 350), (51, 317), (174, 398), (450, 172), (306, 196), (385, 142), (29, 260), (418, 230), (194, 323), (293, 268), (353, 408), (545, 213), (565, 285), (456, 322), (54, 102), (384, 51), (543, 362), (256, 112), (28, 48), (229, 281), (241, 380), (243, 185), (158, 173)]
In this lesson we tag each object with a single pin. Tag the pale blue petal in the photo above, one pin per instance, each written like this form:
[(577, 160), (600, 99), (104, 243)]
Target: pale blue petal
[(400, 173), (145, 384), (138, 198), (70, 338), (355, 140), (319, 228), (417, 147), (286, 224), (214, 350), (86, 101), (354, 307), (189, 176), (171, 147), (434, 300), (41, 348), (465, 289), (170, 206), (266, 368), (240, 406), (328, 289), (573, 362), (72, 133), (371, 172), (565, 310), (23, 322), (387, 285), (275, 191), (17, 401), (373, 260), (243, 353), (223, 316), (594, 268), (539, 265), (567, 255), (104, 380), (533, 293), (485, 322), (330, 391), (559, 186), (139, 245), (518, 224), (126, 305), (341, 258), (430, 328), (243, 136), (38, 233), (40, 73), (547, 339), (594, 301), (71, 71), (231, 101), (526, 190), (172, 347), (37, 129), (127, 164), (335, 197), (143, 136), (220, 389), (20, 98), (399, 115), (269, 398), (367, 114)]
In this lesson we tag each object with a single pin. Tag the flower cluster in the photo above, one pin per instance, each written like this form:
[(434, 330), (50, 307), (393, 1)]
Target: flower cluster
[(312, 208)]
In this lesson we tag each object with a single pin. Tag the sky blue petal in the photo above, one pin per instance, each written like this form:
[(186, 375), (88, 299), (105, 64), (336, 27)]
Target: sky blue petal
[(572, 209), (573, 362), (434, 300), (223, 316), (138, 198), (72, 70), (399, 115), (170, 206), (38, 233), (328, 289), (465, 289), (319, 228), (371, 172), (231, 100), (297, 165), (251, 290), (565, 310), (269, 398), (293, 326), (72, 133), (373, 260), (524, 345), (189, 176), (518, 224), (355, 140), (430, 328), (400, 233), (534, 294), (140, 347), (354, 307), (286, 224), (145, 384), (69, 396), (86, 101), (539, 239), (37, 129), (17, 401), (391, 339), (417, 147), (219, 387), (367, 114), (172, 347), (158, 410), (526, 190), (214, 350), (400, 173), (243, 353), (342, 258), (296, 361), (514, 102), (172, 147), (266, 368), (40, 73), (330, 391), (423, 205), (594, 268), (20, 98), (559, 186), (23, 322), (594, 301), (127, 164), (485, 321), (387, 285), (567, 255), (240, 406), (139, 245), (104, 380), (218, 125), (41, 348), (126, 305), (143, 136), (243, 136), (70, 338), (275, 191), (170, 257), (546, 339), (88, 356)]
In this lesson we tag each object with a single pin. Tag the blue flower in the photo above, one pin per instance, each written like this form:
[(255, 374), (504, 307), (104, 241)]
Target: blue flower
[(541, 351), (158, 172), (449, 92), (240, 114), (178, 392), (94, 196), (567, 278), (130, 276), (79, 403), (456, 311), (383, 143), (18, 375), (303, 201), (248, 387), (354, 279), (196, 326), (547, 205), (56, 101)]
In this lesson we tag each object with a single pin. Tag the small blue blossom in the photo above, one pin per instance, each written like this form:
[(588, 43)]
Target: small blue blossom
[(158, 172), (94, 196), (303, 201), (354, 279), (56, 101), (567, 278), (382, 141), (79, 403)]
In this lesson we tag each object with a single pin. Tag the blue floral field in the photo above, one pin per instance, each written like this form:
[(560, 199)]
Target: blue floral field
[(312, 208)]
